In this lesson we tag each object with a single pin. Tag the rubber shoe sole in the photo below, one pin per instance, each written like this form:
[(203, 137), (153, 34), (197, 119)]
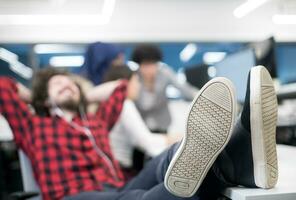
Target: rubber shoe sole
[(263, 109), (208, 130)]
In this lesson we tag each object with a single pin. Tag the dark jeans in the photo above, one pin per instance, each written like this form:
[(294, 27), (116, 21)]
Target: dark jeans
[(148, 184), (139, 156)]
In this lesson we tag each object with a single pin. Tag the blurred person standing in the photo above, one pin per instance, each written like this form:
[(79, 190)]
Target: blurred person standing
[(155, 77)]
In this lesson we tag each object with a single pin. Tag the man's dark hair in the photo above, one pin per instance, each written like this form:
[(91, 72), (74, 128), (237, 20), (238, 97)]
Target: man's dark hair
[(146, 53), (116, 72), (40, 90)]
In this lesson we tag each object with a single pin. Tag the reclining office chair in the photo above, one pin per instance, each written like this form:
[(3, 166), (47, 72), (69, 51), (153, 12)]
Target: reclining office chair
[(31, 189)]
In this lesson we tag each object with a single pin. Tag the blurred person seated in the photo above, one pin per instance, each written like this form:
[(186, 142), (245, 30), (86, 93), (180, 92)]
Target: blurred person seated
[(98, 58), (130, 131), (155, 77)]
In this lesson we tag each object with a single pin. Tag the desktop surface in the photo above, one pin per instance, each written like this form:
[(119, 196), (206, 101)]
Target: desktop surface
[(286, 186)]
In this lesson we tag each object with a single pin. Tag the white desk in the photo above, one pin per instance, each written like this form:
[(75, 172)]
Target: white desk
[(286, 186)]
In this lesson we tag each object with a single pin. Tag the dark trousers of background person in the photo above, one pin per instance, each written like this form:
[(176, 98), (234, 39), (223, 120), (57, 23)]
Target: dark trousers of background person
[(139, 157), (148, 184)]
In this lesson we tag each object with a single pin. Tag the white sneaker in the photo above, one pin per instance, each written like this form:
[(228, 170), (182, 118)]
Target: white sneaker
[(263, 119), (209, 126)]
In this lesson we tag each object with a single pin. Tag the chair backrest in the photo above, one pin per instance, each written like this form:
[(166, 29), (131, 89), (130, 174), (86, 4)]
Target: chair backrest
[(29, 182)]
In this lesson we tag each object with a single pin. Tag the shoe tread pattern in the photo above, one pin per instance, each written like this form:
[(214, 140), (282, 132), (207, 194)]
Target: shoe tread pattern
[(208, 128), (269, 116)]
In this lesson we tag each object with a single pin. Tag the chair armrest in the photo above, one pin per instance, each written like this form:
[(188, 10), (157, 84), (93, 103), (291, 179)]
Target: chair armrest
[(23, 195)]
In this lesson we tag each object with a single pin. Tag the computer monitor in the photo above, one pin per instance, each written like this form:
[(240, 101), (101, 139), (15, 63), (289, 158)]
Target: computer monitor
[(265, 54), (286, 63), (197, 75), (236, 67)]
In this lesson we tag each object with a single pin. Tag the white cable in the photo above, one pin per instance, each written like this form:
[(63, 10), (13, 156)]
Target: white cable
[(85, 129)]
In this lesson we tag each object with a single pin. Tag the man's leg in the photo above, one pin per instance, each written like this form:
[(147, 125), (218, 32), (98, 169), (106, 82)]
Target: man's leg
[(250, 157), (94, 195), (153, 175), (209, 125), (154, 171), (242, 162), (158, 192), (148, 185)]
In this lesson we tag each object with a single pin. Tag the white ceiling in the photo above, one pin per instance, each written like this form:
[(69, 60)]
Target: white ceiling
[(150, 20)]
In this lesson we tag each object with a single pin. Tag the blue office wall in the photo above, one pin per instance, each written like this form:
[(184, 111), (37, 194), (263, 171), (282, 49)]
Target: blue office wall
[(285, 56), (171, 52), (23, 52)]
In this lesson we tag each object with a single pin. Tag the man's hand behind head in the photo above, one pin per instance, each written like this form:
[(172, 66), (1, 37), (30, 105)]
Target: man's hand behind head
[(24, 93), (133, 87)]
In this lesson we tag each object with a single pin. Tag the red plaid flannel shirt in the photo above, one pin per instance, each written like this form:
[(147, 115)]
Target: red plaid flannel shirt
[(63, 159)]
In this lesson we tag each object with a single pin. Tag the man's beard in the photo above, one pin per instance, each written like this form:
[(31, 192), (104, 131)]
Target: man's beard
[(70, 105)]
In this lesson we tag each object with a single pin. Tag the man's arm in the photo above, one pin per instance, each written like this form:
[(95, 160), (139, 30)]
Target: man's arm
[(101, 92), (24, 93), (110, 109), (14, 109)]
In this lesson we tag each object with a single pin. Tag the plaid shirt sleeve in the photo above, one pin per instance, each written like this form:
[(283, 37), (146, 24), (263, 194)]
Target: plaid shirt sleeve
[(14, 110), (110, 109)]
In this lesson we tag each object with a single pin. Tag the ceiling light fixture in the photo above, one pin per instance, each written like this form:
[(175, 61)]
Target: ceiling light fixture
[(247, 7), (213, 57), (57, 48), (66, 61), (62, 19), (188, 52), (284, 19)]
